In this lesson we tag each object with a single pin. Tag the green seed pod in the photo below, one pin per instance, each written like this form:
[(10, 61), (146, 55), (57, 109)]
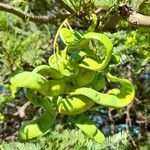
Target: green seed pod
[(35, 81), (40, 125), (73, 105), (63, 65), (98, 82), (91, 63), (115, 98), (69, 37), (88, 127), (57, 87), (84, 77), (48, 72), (30, 80)]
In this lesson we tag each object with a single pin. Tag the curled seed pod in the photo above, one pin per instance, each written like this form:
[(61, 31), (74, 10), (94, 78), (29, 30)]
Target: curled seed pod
[(40, 125), (84, 77), (36, 82), (88, 127), (62, 64), (30, 80), (98, 82), (48, 72), (57, 87), (98, 65), (69, 37), (115, 98), (73, 105)]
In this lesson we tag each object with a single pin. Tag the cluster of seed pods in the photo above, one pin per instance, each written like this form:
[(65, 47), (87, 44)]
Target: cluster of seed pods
[(72, 83)]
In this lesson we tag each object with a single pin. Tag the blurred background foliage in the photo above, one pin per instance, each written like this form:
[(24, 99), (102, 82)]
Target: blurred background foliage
[(25, 45), (21, 44)]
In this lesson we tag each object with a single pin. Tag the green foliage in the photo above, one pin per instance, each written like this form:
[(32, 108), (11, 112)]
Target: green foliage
[(76, 4), (69, 139), (40, 6), (145, 8), (20, 146), (59, 87), (106, 3), (74, 77), (132, 47), (3, 21), (21, 44)]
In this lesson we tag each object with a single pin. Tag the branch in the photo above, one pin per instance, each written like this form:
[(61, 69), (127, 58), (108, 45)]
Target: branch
[(21, 110), (126, 13), (28, 17), (110, 24), (139, 20)]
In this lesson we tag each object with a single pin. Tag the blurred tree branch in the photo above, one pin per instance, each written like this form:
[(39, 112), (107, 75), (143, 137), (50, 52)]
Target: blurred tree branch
[(126, 13), (27, 17), (139, 19), (111, 21)]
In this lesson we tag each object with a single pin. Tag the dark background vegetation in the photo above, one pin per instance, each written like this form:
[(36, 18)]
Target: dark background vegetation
[(25, 45)]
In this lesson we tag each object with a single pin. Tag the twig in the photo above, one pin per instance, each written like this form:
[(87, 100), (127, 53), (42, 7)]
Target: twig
[(21, 110), (111, 120), (129, 124), (128, 119), (37, 19)]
